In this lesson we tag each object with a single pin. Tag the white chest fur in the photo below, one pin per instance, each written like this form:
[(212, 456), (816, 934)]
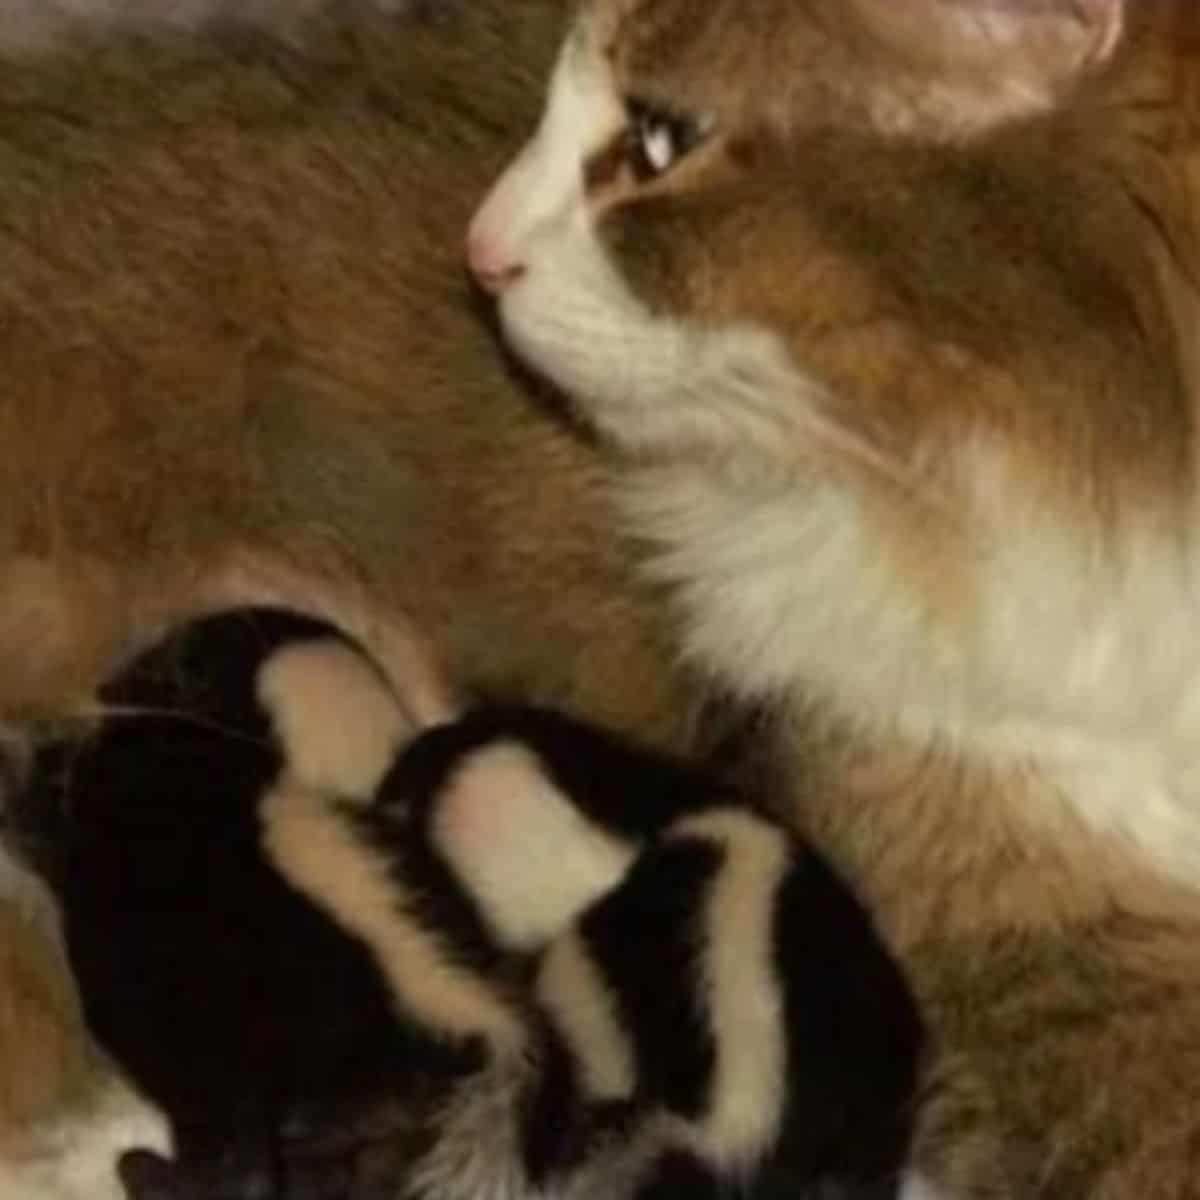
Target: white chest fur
[(1084, 671)]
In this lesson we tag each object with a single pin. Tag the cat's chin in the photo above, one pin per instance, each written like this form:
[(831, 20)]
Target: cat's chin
[(572, 319), (569, 316), (559, 362)]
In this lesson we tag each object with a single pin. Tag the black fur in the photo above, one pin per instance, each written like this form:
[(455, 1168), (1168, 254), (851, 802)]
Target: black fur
[(633, 791), (648, 939), (231, 999), (853, 1031), (854, 1034)]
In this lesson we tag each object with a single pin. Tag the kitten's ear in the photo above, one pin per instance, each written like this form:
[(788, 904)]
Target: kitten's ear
[(1042, 45)]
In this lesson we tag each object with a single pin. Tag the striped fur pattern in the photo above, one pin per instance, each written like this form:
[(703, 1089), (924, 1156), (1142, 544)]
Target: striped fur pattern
[(716, 1004), (574, 967)]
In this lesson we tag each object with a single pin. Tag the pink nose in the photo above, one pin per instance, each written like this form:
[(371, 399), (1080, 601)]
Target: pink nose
[(492, 266)]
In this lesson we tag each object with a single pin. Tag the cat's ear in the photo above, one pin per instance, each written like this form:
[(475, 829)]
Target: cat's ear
[(1041, 45)]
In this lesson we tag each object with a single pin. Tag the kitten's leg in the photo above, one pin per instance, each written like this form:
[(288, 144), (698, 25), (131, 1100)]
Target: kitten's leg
[(518, 834)]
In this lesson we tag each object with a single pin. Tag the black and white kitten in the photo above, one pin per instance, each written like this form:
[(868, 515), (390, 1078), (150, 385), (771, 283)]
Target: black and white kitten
[(563, 965)]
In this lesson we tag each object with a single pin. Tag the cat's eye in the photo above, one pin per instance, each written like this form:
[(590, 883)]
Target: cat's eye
[(659, 139)]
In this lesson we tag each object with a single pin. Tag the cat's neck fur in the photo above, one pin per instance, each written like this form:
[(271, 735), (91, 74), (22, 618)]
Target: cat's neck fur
[(1078, 694)]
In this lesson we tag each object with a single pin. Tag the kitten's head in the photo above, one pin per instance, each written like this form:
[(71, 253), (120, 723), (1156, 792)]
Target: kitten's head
[(706, 157)]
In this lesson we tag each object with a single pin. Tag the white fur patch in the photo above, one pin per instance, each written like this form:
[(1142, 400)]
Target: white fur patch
[(541, 194), (479, 1153), (339, 725), (75, 1157), (575, 994), (531, 860), (744, 1001), (1078, 670), (314, 849)]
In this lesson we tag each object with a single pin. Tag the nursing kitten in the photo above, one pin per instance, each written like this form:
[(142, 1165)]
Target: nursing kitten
[(889, 311)]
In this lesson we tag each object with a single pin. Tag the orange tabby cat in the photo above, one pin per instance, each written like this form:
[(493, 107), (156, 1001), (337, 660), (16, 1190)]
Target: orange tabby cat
[(890, 310)]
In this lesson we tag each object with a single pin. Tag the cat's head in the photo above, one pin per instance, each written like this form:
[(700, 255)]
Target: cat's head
[(738, 160)]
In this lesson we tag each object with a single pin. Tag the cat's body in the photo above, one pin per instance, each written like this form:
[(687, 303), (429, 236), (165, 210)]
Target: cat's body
[(235, 310)]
